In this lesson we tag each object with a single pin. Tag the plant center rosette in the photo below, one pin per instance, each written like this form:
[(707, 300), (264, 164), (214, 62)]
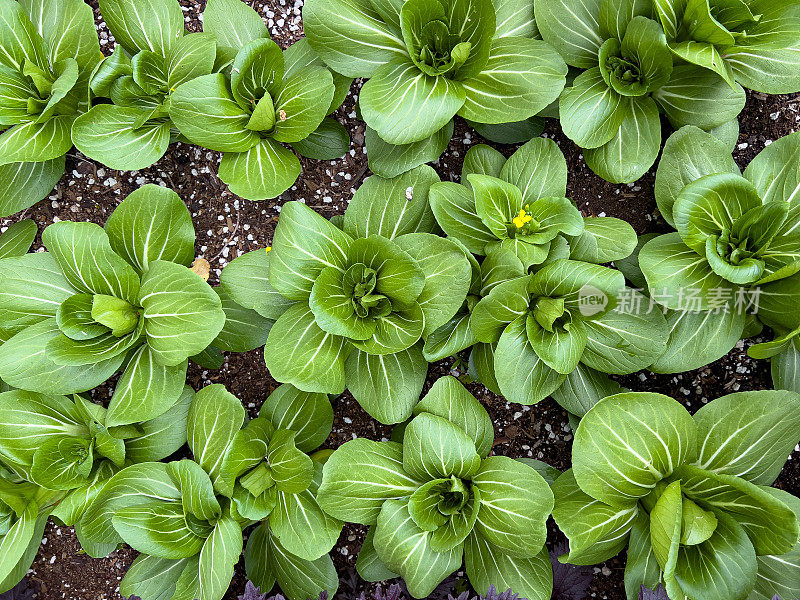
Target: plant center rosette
[(687, 495)]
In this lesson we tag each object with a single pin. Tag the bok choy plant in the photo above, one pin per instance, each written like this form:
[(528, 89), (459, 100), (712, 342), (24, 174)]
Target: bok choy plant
[(355, 304), (104, 300), (266, 98), (438, 498), (687, 495), (49, 50), (153, 57), (736, 253), (630, 74), (186, 517), (428, 60)]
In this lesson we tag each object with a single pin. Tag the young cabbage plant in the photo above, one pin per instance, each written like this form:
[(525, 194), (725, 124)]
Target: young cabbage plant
[(50, 49), (519, 205), (186, 517), (428, 60), (687, 495), (107, 300), (355, 304), (438, 498), (628, 77), (784, 355), (556, 331), (753, 43), (24, 508), (265, 99), (736, 252), (131, 130)]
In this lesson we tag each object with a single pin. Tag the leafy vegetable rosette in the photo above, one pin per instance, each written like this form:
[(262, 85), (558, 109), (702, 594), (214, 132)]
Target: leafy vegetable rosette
[(515, 215), (687, 495), (733, 262), (355, 298), (428, 60), (131, 128), (263, 101), (186, 517), (438, 498), (638, 60), (103, 300), (50, 49)]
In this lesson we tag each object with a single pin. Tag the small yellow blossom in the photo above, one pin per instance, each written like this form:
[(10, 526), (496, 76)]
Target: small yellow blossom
[(521, 219), (269, 248)]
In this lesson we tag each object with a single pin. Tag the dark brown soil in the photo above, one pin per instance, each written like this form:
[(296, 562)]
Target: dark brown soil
[(228, 226)]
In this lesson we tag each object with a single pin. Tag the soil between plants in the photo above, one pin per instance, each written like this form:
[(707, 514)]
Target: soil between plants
[(228, 226)]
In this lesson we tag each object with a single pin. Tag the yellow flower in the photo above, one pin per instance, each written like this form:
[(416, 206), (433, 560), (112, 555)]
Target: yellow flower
[(269, 248), (522, 219)]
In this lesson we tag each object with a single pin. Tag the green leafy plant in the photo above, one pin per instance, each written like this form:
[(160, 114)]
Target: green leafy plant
[(736, 252), (104, 300), (629, 75), (50, 49), (264, 99), (556, 331), (784, 354), (153, 57), (687, 495), (754, 43), (438, 497), (427, 61), (355, 304), (186, 517)]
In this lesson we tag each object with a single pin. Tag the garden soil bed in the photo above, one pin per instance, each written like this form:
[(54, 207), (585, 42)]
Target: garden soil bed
[(228, 226)]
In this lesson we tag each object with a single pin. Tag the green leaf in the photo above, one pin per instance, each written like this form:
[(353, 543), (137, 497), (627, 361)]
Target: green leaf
[(153, 576), (778, 574), (17, 239), (764, 69), (583, 388), (386, 386), (641, 436), (487, 565), (485, 160), (435, 448), (259, 570), (218, 558), (23, 184), (36, 142), (146, 390), (604, 239), (522, 73), (234, 24), (163, 435), (304, 243), (572, 28), (62, 464), (666, 521), (197, 493), (246, 280), (351, 37), (191, 56), (699, 338), (32, 289), (450, 400), (157, 528), (689, 154), (302, 103), (521, 374), (329, 141), (454, 207), (515, 503), (596, 531), (670, 266), (511, 133), (152, 223), (244, 329), (291, 468), (497, 202), (299, 352), (786, 370), (214, 418), (65, 351), (301, 579), (626, 339), (308, 414), (369, 566), (398, 93), (450, 339), (360, 476), (774, 171), (392, 207), (634, 147), (750, 443), (15, 542), (206, 113), (641, 567), (389, 160), (405, 549), (538, 169), (591, 112), (144, 24), (85, 257), (694, 97), (25, 364), (705, 55)]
